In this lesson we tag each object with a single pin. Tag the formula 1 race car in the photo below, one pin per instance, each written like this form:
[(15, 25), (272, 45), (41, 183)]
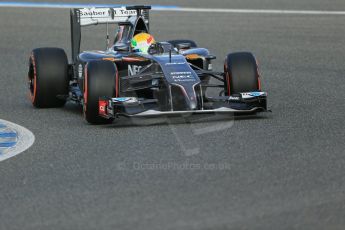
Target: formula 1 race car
[(169, 78)]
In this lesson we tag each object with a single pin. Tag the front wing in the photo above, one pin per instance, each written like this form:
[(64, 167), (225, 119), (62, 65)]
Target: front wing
[(244, 103)]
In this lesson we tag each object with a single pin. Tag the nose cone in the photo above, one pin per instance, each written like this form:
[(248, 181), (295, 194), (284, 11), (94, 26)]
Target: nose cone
[(191, 97), (184, 98)]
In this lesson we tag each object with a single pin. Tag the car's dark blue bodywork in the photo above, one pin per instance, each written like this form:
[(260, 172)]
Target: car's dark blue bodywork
[(171, 79)]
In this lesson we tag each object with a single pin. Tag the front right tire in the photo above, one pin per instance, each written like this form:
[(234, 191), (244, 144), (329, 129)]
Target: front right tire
[(100, 80)]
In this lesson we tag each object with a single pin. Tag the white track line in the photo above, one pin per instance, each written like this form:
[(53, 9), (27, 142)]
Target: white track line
[(254, 11), (171, 8), (25, 140)]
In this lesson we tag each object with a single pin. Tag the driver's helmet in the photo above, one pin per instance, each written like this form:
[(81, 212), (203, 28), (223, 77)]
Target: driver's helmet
[(141, 42)]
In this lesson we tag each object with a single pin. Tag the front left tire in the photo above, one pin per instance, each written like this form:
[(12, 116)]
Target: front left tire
[(241, 73)]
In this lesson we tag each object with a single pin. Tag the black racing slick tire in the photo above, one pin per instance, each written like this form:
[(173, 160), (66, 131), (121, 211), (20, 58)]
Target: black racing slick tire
[(241, 73), (101, 80), (48, 77), (181, 41)]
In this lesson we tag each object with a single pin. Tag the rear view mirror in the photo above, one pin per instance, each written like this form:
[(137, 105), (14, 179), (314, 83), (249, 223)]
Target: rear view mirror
[(122, 48), (183, 46)]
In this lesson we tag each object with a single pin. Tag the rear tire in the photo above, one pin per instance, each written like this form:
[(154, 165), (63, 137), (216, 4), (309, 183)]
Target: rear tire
[(241, 73), (48, 77), (100, 81)]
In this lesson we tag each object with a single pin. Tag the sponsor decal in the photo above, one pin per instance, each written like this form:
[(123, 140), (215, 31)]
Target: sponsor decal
[(92, 13), (255, 94), (105, 12), (123, 12), (234, 98), (252, 94), (125, 99), (102, 106), (134, 69), (175, 63), (173, 73), (182, 76), (121, 99)]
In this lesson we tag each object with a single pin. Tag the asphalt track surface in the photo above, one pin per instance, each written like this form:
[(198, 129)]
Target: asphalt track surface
[(284, 170)]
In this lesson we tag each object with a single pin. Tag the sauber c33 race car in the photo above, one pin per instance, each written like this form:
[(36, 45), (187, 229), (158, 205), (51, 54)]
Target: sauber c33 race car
[(169, 78)]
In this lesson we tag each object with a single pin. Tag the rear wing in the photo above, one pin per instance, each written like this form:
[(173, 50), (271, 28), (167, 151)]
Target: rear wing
[(94, 16)]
